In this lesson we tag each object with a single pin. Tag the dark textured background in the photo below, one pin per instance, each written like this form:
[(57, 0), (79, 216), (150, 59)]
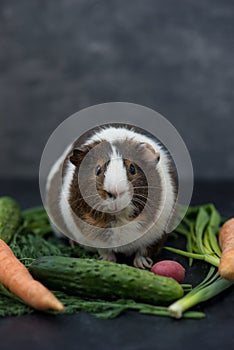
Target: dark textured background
[(59, 56)]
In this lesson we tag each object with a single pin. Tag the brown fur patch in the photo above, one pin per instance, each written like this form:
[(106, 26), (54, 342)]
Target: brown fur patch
[(90, 182), (139, 186)]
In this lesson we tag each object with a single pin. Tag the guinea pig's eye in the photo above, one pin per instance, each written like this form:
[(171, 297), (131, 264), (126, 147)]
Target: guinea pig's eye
[(132, 169), (98, 170)]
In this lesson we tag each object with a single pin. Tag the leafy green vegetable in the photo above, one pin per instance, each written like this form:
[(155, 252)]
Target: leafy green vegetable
[(107, 309), (10, 218), (10, 306), (202, 238)]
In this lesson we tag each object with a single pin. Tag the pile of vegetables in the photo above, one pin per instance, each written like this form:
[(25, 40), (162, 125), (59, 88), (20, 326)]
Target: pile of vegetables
[(40, 271)]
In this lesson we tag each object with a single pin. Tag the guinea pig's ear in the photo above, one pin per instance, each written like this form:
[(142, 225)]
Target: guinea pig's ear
[(148, 152), (76, 155)]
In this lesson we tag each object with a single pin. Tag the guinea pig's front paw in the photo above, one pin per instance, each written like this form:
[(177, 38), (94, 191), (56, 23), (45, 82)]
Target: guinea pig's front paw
[(107, 255), (142, 262)]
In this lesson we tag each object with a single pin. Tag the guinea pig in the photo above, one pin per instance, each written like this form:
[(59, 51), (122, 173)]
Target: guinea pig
[(114, 189)]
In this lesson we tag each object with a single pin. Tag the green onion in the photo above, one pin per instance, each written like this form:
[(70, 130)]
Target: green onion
[(205, 257), (203, 224), (207, 289)]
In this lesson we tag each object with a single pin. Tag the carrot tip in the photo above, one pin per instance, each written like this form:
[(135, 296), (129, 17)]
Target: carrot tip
[(52, 303)]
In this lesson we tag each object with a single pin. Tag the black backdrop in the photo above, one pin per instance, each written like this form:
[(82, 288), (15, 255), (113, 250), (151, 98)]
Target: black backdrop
[(59, 56)]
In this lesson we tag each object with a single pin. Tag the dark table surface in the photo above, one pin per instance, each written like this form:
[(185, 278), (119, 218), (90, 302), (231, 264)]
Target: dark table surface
[(131, 330)]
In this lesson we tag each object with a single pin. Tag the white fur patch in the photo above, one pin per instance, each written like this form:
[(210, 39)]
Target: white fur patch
[(64, 203), (115, 180), (56, 166)]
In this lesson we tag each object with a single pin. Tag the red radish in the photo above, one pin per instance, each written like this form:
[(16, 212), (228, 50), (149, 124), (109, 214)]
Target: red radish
[(169, 268)]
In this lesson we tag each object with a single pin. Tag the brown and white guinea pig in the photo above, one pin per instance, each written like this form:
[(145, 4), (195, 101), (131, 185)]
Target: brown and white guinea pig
[(114, 189)]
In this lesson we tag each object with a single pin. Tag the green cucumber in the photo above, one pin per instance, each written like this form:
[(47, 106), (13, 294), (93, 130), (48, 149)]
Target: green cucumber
[(10, 218), (92, 278)]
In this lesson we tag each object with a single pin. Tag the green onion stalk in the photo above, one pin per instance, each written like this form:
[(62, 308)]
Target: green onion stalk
[(200, 227)]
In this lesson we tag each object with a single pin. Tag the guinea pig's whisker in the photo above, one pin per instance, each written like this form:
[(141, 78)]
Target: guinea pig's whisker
[(82, 198), (96, 206), (99, 206), (92, 195), (136, 179), (146, 207), (148, 200), (94, 211), (142, 204), (141, 195), (140, 201), (146, 187), (76, 200)]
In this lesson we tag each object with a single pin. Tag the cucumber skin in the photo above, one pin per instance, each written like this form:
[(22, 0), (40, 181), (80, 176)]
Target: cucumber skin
[(10, 218), (92, 278)]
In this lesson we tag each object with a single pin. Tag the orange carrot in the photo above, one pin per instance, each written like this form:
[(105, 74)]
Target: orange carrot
[(15, 276), (226, 241)]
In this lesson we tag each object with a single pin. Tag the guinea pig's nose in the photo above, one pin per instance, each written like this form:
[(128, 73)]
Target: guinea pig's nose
[(111, 195)]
